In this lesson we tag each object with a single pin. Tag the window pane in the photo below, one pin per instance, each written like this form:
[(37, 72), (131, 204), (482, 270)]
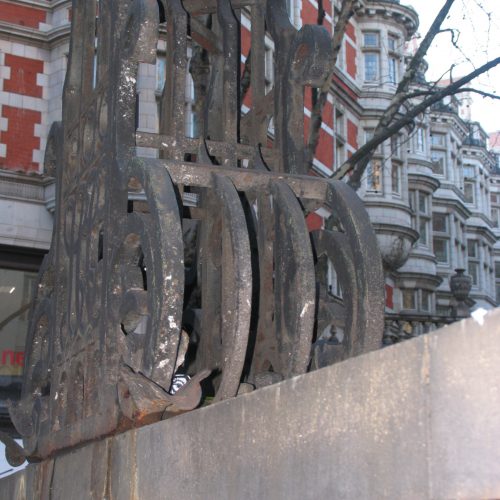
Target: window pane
[(423, 231), (395, 146), (408, 299), (469, 192), (497, 270), (392, 42), (371, 67), (442, 310), (441, 249), (440, 222), (469, 172), (474, 272), (374, 176), (393, 70), (94, 74), (160, 73), (426, 300), (341, 57), (370, 39), (422, 203), (339, 153), (395, 178), (420, 140), (494, 217), (412, 201), (333, 281), (438, 139), (290, 6), (269, 68), (472, 248), (340, 123), (438, 162)]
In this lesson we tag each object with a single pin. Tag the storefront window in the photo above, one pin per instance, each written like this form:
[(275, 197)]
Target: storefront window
[(18, 277), (15, 293)]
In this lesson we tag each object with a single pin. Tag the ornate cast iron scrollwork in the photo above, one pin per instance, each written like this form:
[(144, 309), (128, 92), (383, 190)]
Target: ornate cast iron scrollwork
[(117, 309)]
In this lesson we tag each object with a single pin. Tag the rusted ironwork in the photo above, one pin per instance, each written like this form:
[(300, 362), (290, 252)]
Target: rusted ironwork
[(112, 302)]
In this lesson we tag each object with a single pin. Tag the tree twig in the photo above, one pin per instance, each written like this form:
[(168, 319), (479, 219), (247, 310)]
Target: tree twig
[(382, 134)]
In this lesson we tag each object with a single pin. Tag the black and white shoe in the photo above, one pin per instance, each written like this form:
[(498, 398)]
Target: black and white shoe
[(178, 381)]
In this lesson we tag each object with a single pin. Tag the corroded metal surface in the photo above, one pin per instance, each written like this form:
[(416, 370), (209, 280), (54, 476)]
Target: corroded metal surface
[(115, 293)]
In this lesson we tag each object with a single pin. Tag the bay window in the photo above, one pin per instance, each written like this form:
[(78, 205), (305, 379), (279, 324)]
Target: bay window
[(420, 207)]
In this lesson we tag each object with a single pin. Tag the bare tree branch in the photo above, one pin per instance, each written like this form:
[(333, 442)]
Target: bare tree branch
[(423, 93), (455, 37), (383, 134), (452, 32), (432, 91), (478, 91)]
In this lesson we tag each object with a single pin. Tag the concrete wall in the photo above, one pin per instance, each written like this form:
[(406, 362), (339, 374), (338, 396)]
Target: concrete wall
[(420, 419)]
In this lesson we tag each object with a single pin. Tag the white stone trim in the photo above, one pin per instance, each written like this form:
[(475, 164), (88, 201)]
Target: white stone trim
[(245, 21), (322, 168)]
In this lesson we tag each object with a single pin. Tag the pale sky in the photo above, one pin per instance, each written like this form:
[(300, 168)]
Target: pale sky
[(479, 24)]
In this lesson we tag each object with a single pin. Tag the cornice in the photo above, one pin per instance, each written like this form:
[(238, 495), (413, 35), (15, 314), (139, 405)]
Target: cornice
[(456, 203), (420, 180), (30, 178), (27, 187), (376, 93), (377, 202), (478, 153), (486, 231), (9, 31), (419, 159), (29, 36), (384, 228), (59, 34), (481, 296), (419, 317), (422, 280), (387, 10), (454, 121)]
